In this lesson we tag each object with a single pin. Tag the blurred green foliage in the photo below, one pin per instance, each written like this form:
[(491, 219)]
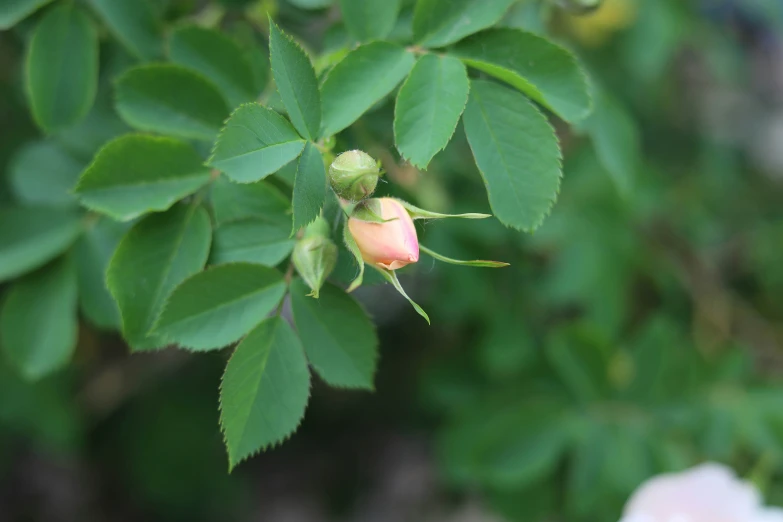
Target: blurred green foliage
[(639, 330)]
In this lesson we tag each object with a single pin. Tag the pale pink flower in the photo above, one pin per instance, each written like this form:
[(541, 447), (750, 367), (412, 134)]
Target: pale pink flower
[(707, 493), (390, 245)]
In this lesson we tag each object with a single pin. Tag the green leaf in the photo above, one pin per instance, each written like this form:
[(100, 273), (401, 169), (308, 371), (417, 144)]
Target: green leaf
[(31, 236), (581, 363), (255, 142), (441, 22), (428, 107), (353, 248), (134, 24), (311, 4), (508, 447), (260, 200), (43, 173), (38, 325), (309, 187), (135, 174), (369, 19), (544, 71), (14, 11), (526, 454), (170, 100), (101, 125), (337, 335), (254, 241), (218, 58), (420, 213), (364, 77), (517, 153), (264, 392), (215, 308), (92, 254), (156, 255), (391, 277), (296, 82), (477, 263), (62, 68), (616, 140)]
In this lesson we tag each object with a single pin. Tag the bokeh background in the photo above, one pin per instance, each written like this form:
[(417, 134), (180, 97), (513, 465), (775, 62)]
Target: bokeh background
[(639, 331)]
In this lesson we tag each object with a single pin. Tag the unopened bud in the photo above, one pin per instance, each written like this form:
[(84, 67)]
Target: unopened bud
[(315, 255), (580, 6), (390, 245), (354, 175)]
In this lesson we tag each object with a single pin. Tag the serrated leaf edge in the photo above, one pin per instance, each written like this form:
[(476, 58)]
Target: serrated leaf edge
[(552, 202), (376, 350), (223, 130), (163, 335), (272, 445), (456, 124)]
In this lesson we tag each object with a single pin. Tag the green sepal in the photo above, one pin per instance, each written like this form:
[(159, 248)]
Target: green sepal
[(315, 256), (369, 210), (478, 262), (391, 276), (353, 248), (419, 213)]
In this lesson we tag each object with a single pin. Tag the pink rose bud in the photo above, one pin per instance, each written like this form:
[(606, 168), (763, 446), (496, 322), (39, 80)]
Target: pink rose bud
[(706, 493), (390, 245)]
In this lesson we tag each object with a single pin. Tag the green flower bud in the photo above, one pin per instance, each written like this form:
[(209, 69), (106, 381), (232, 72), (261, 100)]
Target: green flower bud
[(315, 255), (580, 6), (354, 175)]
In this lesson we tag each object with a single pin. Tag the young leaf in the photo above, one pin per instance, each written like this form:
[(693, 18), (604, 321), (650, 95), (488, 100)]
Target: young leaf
[(215, 308), (62, 95), (92, 254), (239, 201), (441, 22), (544, 71), (428, 107), (391, 277), (38, 320), (254, 241), (218, 58), (337, 335), (14, 11), (264, 392), (368, 20), (353, 248), (134, 24), (31, 236), (309, 187), (359, 81), (43, 173), (170, 100), (516, 152), (136, 174), (616, 140), (255, 142), (420, 213), (478, 263), (157, 254), (296, 82)]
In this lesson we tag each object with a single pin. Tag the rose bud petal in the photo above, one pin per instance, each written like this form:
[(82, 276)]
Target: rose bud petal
[(390, 245), (706, 493)]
